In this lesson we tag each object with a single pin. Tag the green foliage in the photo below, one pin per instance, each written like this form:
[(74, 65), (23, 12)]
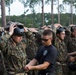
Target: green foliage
[(8, 2), (35, 20)]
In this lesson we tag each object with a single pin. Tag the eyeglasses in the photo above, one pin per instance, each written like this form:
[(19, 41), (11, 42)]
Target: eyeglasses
[(44, 39)]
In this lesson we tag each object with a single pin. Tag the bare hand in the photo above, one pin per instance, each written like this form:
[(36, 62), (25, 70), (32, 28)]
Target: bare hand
[(72, 59), (25, 29), (28, 67), (12, 27), (33, 30)]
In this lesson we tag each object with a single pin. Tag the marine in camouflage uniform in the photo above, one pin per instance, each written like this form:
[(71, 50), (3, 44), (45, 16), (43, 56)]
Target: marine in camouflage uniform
[(61, 67), (31, 49), (14, 54), (71, 45), (31, 46)]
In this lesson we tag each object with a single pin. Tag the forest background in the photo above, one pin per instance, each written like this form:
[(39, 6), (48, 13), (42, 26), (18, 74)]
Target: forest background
[(35, 19)]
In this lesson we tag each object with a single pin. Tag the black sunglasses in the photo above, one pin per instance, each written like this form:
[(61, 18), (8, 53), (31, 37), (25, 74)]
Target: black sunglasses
[(44, 39)]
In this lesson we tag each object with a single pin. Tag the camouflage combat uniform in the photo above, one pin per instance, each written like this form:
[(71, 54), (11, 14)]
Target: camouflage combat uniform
[(61, 67), (71, 47), (31, 49), (31, 46), (14, 56)]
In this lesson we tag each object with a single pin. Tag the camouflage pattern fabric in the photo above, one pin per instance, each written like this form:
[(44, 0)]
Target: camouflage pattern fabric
[(71, 47), (62, 50), (15, 55), (66, 39), (61, 67), (31, 48), (2, 65)]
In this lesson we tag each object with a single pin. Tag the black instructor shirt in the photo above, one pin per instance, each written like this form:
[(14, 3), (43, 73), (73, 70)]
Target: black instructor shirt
[(48, 54)]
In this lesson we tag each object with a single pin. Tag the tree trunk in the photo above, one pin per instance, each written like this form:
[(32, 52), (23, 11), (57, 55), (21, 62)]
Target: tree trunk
[(42, 12), (9, 12), (71, 13), (52, 12), (58, 13), (3, 13)]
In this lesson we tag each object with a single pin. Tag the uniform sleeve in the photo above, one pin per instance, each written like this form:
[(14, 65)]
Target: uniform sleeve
[(3, 43)]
